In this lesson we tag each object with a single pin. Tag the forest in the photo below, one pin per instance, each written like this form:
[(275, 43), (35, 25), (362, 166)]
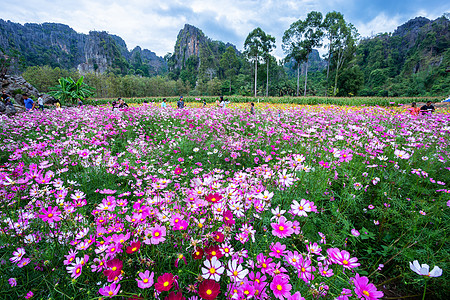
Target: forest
[(412, 61)]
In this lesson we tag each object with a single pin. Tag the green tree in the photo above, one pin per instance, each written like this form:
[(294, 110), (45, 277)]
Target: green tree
[(230, 65), (68, 90), (268, 44), (253, 49), (300, 39)]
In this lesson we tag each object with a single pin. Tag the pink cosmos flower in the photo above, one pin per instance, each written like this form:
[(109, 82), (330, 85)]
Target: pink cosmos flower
[(158, 234), (355, 232), (364, 289), (12, 282), (313, 248), (402, 154), (324, 270), (277, 250), (181, 225), (296, 296), (265, 263), (345, 294), (17, 255), (246, 289), (283, 228), (109, 291), (75, 270), (50, 215), (280, 287), (29, 295), (345, 155), (305, 270), (293, 258), (146, 279), (343, 258), (23, 262), (323, 238)]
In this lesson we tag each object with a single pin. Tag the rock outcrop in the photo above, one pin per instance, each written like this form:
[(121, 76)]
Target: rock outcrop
[(58, 45)]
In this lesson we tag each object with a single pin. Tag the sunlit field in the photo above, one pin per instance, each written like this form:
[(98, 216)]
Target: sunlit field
[(292, 202)]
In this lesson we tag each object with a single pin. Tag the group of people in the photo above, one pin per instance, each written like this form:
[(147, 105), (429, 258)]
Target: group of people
[(119, 104), (427, 108)]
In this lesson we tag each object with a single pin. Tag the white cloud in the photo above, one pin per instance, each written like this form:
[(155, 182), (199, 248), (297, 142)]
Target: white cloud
[(379, 24)]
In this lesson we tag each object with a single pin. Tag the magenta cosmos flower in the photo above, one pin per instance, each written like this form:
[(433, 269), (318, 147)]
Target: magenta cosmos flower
[(50, 215), (146, 279), (109, 290), (114, 268), (282, 229), (364, 289), (164, 282), (280, 287)]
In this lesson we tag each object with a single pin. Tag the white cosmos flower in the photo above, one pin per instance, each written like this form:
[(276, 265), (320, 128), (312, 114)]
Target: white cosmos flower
[(235, 271), (424, 269), (213, 269)]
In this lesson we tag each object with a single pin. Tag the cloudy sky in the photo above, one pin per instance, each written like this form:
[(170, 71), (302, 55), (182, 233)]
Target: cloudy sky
[(154, 25)]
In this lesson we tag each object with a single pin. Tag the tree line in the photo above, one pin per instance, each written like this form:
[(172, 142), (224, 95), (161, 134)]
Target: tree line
[(350, 67)]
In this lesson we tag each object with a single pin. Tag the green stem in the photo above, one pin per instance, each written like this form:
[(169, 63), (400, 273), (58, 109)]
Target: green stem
[(425, 289)]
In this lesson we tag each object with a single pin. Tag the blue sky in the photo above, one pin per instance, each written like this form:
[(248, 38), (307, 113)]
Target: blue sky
[(154, 25)]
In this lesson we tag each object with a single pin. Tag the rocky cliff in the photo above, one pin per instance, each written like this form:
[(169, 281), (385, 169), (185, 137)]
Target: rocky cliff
[(196, 53), (58, 45)]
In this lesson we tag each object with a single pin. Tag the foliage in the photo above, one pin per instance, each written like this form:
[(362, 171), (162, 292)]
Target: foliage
[(69, 90), (300, 39)]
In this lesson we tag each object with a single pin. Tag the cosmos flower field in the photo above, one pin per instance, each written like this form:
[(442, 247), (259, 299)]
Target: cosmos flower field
[(298, 202)]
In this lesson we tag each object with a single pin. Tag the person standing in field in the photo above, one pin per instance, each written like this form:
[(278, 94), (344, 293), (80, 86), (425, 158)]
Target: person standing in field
[(163, 103), (180, 103), (427, 109), (414, 110), (29, 103), (252, 108), (204, 102), (41, 102)]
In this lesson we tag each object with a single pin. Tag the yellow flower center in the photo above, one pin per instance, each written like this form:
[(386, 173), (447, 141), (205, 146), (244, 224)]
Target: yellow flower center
[(212, 270), (110, 293), (166, 283), (366, 293), (279, 287), (281, 228), (156, 234), (133, 249), (145, 280), (303, 269), (208, 292), (345, 262), (213, 253), (50, 215), (235, 273)]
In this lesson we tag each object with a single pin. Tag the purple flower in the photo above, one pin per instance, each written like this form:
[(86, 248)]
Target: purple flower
[(12, 282)]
